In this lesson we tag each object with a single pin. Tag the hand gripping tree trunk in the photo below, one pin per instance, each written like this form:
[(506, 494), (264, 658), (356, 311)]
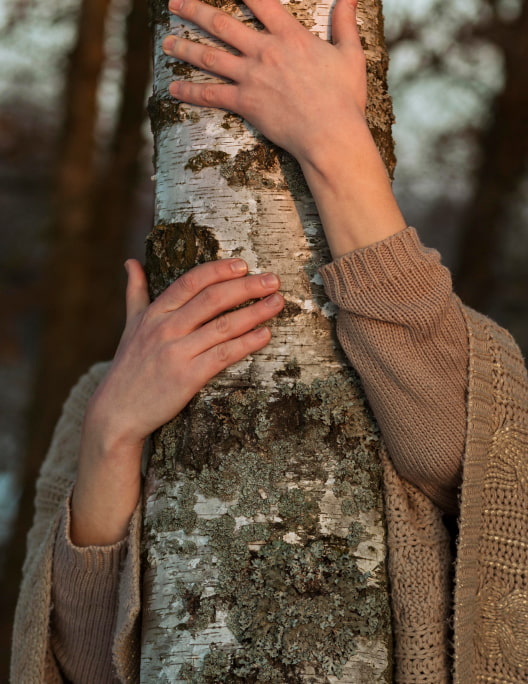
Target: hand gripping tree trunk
[(264, 546)]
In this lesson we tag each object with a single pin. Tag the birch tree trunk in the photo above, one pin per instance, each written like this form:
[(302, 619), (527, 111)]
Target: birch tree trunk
[(264, 547)]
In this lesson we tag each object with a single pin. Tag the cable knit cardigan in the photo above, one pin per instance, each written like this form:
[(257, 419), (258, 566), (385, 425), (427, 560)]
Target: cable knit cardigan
[(380, 289)]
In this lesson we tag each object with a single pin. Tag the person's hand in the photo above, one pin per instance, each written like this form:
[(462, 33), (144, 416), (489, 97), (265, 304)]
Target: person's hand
[(301, 92), (169, 350), (305, 95)]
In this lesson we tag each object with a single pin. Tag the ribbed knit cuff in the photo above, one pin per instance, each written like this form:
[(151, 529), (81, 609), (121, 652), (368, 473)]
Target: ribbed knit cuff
[(375, 265), (103, 560), (84, 594)]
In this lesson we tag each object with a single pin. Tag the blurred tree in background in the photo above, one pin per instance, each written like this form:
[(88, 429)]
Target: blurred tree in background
[(458, 77), (92, 178), (75, 195)]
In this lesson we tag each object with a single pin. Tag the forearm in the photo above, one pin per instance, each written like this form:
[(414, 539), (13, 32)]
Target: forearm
[(404, 332), (108, 485), (352, 190)]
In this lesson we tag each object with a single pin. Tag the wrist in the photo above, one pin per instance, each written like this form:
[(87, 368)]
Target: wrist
[(108, 483), (107, 426), (353, 193)]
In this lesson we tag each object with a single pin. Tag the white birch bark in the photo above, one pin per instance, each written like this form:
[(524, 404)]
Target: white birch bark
[(264, 537)]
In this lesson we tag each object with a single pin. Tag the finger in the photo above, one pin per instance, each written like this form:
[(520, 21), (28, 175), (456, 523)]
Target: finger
[(216, 22), (273, 15), (217, 359), (233, 324), (344, 25), (197, 279), (218, 299), (222, 96), (204, 57), (137, 297)]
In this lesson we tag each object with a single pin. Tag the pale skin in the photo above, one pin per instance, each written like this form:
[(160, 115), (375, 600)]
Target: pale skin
[(171, 348)]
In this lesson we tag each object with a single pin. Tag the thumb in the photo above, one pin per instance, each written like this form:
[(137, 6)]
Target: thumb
[(344, 24), (137, 297)]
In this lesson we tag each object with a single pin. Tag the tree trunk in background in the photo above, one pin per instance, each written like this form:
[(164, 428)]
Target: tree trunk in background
[(84, 290), (504, 146), (264, 546)]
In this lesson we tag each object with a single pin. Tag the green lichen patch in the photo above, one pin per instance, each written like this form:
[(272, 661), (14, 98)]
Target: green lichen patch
[(205, 159), (293, 593), (301, 604), (294, 180), (173, 248), (197, 610), (290, 309)]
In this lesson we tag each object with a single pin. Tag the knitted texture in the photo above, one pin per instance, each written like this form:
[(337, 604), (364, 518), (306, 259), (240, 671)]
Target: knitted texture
[(419, 562), (491, 597), (32, 660), (84, 595), (404, 332)]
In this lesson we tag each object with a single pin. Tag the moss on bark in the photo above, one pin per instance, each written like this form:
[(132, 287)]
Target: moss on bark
[(173, 248), (290, 583)]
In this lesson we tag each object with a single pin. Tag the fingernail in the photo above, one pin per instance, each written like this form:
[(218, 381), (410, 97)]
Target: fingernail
[(269, 280), (238, 266), (168, 44), (174, 88), (274, 301), (262, 332), (175, 5)]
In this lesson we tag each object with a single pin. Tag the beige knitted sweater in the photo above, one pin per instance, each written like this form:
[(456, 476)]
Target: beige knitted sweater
[(410, 340)]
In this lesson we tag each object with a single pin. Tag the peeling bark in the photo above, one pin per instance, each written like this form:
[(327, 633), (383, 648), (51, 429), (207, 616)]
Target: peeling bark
[(264, 543)]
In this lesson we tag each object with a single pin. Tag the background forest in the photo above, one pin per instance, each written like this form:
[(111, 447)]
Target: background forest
[(76, 192)]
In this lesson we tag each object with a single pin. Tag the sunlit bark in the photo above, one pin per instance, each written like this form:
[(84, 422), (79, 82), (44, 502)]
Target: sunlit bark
[(264, 546)]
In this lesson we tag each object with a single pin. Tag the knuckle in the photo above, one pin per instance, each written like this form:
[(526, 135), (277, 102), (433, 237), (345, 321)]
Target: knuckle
[(187, 283), (246, 104), (209, 58), (179, 49), (270, 55), (222, 324), (163, 335), (222, 353), (251, 285), (210, 298), (219, 22), (208, 95)]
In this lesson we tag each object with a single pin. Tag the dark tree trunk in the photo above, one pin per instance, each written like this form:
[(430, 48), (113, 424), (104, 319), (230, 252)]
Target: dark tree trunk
[(84, 289), (504, 145)]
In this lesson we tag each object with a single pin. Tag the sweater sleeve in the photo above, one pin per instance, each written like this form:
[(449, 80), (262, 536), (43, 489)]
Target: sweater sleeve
[(403, 330), (84, 593), (32, 654)]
